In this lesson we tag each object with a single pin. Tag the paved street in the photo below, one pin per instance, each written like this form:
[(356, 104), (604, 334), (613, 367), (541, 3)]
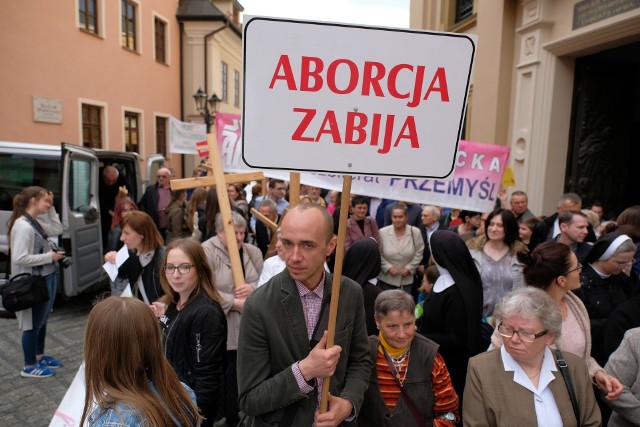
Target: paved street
[(29, 402)]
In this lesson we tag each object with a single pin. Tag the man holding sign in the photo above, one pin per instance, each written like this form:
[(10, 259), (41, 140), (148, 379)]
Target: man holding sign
[(282, 357)]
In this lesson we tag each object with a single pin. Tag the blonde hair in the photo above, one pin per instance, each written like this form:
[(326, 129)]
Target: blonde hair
[(123, 350)]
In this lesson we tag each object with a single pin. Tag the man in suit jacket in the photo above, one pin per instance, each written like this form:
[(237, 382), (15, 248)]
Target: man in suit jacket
[(549, 228), (430, 223), (155, 200), (282, 357)]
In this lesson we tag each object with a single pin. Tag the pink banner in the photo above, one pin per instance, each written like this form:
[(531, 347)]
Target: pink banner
[(229, 136)]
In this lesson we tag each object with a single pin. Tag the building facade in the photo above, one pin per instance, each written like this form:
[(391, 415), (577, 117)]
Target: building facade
[(211, 45), (109, 73), (99, 73), (559, 82)]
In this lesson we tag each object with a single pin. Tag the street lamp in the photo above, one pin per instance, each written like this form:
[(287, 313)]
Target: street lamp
[(207, 107)]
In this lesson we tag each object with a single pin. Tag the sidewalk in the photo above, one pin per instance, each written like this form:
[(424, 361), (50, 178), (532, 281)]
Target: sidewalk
[(28, 402)]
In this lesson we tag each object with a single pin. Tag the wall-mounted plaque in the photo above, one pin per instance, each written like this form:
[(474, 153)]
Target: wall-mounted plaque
[(47, 110)]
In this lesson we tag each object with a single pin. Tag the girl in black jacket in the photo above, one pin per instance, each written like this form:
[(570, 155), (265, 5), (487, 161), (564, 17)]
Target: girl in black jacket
[(193, 323)]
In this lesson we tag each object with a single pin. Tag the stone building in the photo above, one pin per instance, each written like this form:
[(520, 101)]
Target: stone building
[(559, 82)]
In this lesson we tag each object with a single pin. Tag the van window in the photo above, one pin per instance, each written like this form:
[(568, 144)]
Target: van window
[(79, 184), (20, 171)]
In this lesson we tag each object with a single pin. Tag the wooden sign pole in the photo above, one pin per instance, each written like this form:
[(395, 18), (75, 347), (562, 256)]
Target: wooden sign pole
[(335, 286), (294, 189), (225, 210)]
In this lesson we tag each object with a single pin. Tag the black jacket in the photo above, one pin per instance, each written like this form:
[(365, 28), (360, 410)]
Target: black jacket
[(132, 270), (149, 202), (195, 340), (601, 297)]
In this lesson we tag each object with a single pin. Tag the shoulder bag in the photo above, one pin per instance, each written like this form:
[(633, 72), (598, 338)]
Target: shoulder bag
[(24, 291), (562, 365)]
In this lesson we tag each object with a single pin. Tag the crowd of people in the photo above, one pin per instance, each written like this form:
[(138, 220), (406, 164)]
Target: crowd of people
[(446, 317)]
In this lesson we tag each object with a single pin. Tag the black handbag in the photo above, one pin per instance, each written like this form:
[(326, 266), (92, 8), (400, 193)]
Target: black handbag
[(24, 291)]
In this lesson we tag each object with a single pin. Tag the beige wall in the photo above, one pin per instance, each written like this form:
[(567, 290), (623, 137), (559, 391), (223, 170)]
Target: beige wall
[(523, 79), (45, 54), (225, 45)]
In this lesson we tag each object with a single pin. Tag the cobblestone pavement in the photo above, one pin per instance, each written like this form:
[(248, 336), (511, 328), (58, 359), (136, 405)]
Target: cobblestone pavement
[(26, 402)]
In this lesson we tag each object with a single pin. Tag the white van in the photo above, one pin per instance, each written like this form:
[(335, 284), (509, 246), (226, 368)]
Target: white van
[(72, 173)]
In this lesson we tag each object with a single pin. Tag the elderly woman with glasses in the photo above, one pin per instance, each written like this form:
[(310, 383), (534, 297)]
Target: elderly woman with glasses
[(193, 323), (520, 384), (555, 269), (606, 284), (410, 385)]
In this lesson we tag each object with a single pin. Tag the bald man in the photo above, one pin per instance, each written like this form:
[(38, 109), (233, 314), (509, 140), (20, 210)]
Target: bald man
[(108, 189), (282, 357)]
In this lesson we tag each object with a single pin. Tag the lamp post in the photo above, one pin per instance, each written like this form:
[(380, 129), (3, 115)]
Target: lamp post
[(207, 107)]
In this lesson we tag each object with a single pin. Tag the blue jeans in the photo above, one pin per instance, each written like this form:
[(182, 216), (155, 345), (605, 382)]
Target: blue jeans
[(33, 340)]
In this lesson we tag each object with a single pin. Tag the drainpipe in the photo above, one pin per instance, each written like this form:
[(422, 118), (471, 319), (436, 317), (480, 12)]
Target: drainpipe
[(206, 62)]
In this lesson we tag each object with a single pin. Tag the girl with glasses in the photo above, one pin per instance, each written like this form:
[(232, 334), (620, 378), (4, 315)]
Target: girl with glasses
[(193, 324)]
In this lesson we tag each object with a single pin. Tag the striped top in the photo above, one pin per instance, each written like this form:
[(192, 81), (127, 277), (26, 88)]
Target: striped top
[(445, 398)]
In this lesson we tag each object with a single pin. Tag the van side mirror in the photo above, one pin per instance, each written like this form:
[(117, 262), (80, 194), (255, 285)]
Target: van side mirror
[(89, 213)]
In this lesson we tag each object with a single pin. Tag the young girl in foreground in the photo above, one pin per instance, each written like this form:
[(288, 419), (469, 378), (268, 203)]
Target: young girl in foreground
[(128, 380)]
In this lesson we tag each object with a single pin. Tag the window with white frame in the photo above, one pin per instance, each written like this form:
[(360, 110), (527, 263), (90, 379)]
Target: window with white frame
[(88, 16), (236, 88), (132, 131), (160, 33), (224, 75), (128, 26), (91, 126)]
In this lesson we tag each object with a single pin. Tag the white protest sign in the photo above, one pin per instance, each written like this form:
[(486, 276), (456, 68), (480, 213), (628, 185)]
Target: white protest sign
[(353, 99), (184, 136)]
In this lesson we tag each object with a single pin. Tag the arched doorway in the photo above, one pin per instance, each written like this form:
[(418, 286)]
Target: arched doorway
[(603, 160)]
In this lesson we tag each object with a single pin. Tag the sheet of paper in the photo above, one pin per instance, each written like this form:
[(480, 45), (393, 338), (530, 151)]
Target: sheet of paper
[(121, 257)]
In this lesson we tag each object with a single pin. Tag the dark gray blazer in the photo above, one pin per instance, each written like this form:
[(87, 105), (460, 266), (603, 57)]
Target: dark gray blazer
[(273, 335)]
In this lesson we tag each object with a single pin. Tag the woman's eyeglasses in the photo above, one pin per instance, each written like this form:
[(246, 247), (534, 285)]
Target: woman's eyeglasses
[(182, 268), (578, 268), (508, 332)]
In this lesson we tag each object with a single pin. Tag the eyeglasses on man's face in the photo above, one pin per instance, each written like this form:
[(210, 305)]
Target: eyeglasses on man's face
[(525, 336), (182, 268)]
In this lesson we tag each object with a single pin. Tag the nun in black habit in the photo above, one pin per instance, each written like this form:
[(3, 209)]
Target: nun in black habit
[(362, 265), (606, 284), (453, 310)]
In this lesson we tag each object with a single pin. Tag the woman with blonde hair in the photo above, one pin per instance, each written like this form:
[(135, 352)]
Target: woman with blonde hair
[(193, 323), (128, 380), (146, 250)]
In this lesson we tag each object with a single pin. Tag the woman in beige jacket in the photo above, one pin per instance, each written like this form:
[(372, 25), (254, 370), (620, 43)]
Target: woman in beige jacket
[(232, 297)]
